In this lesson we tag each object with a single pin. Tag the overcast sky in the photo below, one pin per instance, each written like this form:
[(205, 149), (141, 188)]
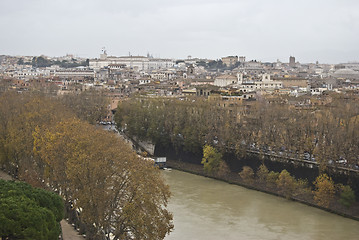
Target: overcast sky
[(265, 30)]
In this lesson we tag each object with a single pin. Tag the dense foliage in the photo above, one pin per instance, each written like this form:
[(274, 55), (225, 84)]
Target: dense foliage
[(211, 159), (29, 213), (111, 188), (209, 128), (184, 124), (347, 196), (327, 134), (324, 190), (324, 194), (90, 106), (44, 62)]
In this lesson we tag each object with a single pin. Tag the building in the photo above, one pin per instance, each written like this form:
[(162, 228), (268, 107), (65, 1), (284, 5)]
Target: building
[(205, 90), (289, 82), (201, 81), (346, 73), (138, 63), (73, 73), (230, 60), (291, 61), (241, 59), (225, 80), (189, 92), (265, 84), (252, 67)]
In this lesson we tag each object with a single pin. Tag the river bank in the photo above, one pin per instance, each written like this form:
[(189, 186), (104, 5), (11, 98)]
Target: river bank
[(234, 178)]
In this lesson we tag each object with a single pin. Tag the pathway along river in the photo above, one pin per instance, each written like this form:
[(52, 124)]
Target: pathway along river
[(208, 209)]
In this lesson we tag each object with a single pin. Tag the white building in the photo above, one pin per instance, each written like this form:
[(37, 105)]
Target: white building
[(265, 84), (225, 80), (71, 72), (138, 63)]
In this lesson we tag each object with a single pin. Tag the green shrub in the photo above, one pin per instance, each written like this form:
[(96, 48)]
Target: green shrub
[(347, 196)]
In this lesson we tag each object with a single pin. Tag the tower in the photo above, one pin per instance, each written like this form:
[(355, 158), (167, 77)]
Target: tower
[(103, 54), (291, 61), (240, 78)]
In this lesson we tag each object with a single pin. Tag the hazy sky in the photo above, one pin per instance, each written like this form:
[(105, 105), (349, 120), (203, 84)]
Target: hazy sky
[(266, 30)]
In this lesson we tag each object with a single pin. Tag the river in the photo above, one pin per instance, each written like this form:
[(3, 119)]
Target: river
[(208, 209)]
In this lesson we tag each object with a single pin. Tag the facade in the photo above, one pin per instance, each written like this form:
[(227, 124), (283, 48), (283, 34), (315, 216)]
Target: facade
[(189, 92), (346, 73), (225, 80), (70, 73), (161, 75), (144, 81), (241, 59), (138, 63), (293, 82), (230, 60), (205, 90), (252, 67), (265, 84), (200, 81), (291, 61)]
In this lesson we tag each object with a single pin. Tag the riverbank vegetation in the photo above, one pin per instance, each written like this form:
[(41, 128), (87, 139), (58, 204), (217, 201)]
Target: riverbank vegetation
[(323, 134), (112, 191), (324, 192)]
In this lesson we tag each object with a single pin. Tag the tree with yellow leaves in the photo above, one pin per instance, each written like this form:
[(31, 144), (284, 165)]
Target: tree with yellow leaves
[(324, 190), (211, 159), (114, 190), (286, 183)]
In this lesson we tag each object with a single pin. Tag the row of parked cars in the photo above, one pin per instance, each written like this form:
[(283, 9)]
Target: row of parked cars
[(305, 156), (106, 123)]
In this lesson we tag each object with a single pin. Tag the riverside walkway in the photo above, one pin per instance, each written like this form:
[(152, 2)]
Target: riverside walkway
[(68, 232)]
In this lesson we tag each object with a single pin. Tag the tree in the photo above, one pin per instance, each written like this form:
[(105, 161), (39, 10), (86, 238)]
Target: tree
[(347, 196), (272, 178), (211, 159), (20, 61), (113, 189), (90, 106), (247, 174), (301, 187), (41, 62), (28, 213), (324, 190), (286, 183), (262, 173), (223, 169)]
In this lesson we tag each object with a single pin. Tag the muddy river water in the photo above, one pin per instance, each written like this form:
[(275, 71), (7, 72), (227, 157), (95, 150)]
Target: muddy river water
[(208, 209)]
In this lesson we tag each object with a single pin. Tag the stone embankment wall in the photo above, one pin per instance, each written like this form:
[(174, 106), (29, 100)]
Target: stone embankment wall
[(236, 164)]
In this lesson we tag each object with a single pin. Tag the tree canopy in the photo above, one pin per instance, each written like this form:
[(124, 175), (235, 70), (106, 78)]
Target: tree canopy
[(211, 159), (324, 190), (326, 134), (29, 213), (112, 189)]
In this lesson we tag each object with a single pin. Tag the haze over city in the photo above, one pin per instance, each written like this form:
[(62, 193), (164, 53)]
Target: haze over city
[(324, 31)]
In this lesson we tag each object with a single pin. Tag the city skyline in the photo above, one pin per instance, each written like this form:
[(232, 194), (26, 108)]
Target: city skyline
[(324, 31)]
